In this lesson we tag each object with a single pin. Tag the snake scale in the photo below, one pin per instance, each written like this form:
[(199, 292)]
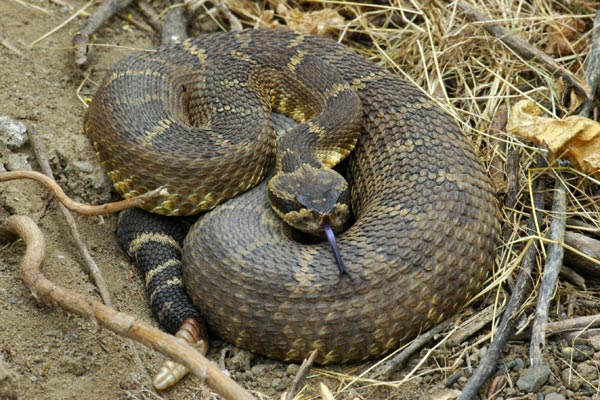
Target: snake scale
[(195, 117)]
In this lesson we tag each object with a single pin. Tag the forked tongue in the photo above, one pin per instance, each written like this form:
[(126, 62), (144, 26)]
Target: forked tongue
[(336, 252)]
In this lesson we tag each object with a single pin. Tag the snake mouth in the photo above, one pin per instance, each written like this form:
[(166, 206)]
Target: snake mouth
[(330, 234)]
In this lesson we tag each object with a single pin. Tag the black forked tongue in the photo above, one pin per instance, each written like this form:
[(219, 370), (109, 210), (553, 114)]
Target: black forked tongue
[(336, 252)]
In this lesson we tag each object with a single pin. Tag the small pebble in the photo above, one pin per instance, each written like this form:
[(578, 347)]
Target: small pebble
[(292, 369), (532, 379), (259, 369), (17, 162), (83, 166), (12, 133), (554, 396)]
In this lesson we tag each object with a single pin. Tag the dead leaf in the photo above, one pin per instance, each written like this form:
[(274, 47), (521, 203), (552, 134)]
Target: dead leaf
[(574, 138), (564, 37)]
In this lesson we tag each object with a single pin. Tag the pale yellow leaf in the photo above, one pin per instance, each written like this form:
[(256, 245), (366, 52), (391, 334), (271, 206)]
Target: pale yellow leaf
[(574, 138)]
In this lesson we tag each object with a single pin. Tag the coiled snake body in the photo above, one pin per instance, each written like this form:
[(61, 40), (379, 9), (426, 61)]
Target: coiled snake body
[(195, 117)]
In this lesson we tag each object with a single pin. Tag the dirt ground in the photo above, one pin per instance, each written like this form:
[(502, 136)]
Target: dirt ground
[(46, 353)]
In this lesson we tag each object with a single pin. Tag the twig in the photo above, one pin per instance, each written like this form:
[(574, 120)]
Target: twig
[(82, 208), (40, 154), (567, 325), (300, 377), (234, 22), (174, 26), (580, 225), (123, 324), (570, 275), (592, 66), (6, 43), (151, 16), (61, 25), (521, 47), (475, 323), (102, 14), (586, 245), (554, 260), (522, 287), (129, 18), (385, 369)]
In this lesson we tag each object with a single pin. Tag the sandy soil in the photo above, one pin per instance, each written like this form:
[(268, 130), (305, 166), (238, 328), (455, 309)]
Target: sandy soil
[(46, 353)]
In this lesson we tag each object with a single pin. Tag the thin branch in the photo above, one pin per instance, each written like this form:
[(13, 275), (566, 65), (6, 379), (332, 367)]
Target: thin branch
[(384, 370), (550, 273), (301, 375), (40, 154), (102, 14), (174, 24), (592, 67), (566, 325), (152, 16), (121, 323), (82, 208)]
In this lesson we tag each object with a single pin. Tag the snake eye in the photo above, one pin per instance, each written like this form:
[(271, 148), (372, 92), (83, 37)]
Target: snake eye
[(322, 202), (303, 200)]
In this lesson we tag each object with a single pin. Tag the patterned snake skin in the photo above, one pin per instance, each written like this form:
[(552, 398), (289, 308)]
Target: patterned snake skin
[(195, 117)]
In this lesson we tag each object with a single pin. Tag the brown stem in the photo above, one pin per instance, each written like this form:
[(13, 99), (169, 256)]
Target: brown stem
[(301, 375), (81, 208), (121, 323), (103, 13), (40, 154), (554, 260), (384, 370), (174, 25)]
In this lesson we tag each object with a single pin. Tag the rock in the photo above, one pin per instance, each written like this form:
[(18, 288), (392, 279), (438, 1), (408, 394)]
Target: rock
[(292, 369), (240, 361), (8, 382), (532, 379), (17, 162), (570, 379), (516, 364), (259, 369), (445, 394), (578, 353), (12, 133), (519, 364), (587, 369), (83, 166), (594, 341), (554, 396)]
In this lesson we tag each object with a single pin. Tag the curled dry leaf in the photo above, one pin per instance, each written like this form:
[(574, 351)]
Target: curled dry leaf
[(565, 37), (574, 138)]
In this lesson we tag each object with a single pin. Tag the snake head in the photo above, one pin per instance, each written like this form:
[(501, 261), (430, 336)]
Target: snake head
[(310, 198)]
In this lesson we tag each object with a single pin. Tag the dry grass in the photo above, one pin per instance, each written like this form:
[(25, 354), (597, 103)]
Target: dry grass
[(476, 77)]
